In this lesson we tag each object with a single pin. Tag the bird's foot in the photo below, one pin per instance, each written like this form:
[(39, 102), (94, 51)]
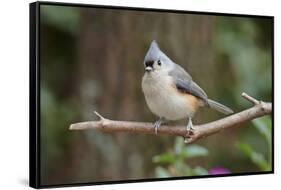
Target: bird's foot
[(189, 128), (157, 125)]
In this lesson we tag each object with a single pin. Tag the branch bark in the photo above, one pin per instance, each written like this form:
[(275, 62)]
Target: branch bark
[(258, 109)]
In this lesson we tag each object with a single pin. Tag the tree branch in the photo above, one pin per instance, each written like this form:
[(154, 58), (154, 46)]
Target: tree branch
[(259, 109)]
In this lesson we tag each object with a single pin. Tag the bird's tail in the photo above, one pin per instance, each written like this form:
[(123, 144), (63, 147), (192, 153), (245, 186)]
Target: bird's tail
[(219, 107)]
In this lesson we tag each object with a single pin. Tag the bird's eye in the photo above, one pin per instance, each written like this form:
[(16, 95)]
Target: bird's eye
[(159, 62)]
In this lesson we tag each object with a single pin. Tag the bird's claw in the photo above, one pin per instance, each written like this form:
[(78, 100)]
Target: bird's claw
[(190, 132), (189, 128), (157, 125)]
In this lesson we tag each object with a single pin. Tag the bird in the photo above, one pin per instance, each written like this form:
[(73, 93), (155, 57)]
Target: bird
[(170, 92)]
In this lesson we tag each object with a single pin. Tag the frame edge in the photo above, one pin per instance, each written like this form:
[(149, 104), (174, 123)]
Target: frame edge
[(34, 166)]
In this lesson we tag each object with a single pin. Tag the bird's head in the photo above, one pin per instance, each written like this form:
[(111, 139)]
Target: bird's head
[(155, 60)]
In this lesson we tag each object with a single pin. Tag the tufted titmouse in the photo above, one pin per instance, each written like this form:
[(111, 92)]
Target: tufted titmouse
[(169, 90)]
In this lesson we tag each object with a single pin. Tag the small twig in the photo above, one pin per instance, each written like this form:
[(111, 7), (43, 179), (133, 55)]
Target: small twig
[(250, 98), (101, 117), (258, 110)]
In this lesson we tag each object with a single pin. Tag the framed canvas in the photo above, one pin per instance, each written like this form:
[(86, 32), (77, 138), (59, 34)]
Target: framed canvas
[(120, 94)]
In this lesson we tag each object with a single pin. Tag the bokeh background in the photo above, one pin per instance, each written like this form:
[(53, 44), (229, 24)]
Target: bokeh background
[(92, 59)]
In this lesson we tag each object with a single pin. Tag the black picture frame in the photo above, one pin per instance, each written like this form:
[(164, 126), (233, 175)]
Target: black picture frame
[(34, 93)]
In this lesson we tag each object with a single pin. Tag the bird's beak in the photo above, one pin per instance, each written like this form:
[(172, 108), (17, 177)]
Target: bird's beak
[(148, 69)]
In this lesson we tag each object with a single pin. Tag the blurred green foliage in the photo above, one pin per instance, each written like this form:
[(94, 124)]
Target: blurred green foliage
[(62, 17), (61, 113), (263, 162), (249, 60), (176, 160)]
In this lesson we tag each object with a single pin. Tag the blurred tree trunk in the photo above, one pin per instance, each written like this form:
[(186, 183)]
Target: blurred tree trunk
[(112, 45)]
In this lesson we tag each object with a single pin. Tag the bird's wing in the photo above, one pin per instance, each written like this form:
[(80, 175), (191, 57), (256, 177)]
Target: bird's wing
[(184, 83), (179, 72)]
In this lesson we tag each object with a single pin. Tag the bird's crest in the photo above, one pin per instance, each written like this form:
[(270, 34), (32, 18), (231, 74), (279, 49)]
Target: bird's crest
[(154, 53)]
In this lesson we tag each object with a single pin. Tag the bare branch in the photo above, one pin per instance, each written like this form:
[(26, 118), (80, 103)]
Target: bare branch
[(106, 125)]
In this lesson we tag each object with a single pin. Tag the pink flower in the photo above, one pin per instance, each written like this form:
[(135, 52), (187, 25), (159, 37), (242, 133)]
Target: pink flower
[(218, 170)]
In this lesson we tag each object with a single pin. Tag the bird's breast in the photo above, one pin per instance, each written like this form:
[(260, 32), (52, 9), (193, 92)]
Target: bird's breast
[(165, 100)]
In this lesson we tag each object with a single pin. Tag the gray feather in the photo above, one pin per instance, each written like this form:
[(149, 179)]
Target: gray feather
[(179, 73), (184, 83), (219, 107)]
